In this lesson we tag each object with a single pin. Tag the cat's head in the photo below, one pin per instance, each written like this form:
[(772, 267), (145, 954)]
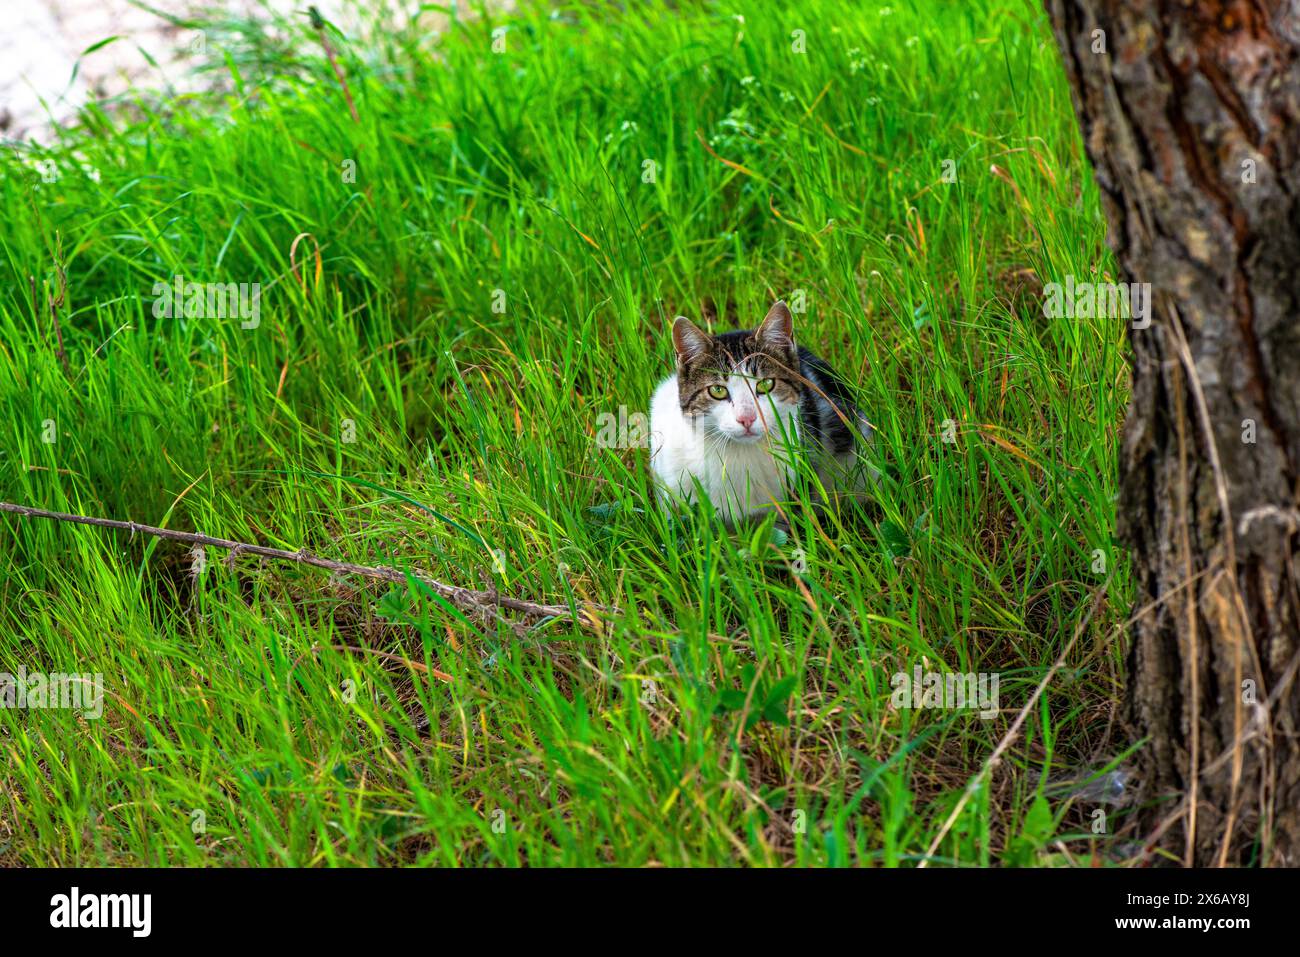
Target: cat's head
[(743, 386)]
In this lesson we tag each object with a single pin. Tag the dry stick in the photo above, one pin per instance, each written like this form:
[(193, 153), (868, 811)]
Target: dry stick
[(1230, 567), (1261, 715), (54, 303), (318, 24), (1189, 603), (465, 598), (1010, 736)]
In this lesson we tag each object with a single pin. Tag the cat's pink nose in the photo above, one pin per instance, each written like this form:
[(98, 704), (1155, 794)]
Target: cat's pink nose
[(746, 419)]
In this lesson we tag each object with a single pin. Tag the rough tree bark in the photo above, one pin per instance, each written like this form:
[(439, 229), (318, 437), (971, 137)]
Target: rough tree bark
[(1190, 114)]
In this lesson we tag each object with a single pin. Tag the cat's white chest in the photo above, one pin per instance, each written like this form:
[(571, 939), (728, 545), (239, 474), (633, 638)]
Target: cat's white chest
[(739, 479)]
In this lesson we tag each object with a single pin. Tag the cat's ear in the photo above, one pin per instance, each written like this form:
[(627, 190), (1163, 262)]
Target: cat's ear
[(777, 329), (688, 339)]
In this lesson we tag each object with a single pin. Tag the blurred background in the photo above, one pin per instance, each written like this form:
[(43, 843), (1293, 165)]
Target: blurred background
[(57, 55)]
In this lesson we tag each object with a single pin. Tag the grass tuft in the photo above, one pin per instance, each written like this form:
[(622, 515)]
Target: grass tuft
[(497, 275)]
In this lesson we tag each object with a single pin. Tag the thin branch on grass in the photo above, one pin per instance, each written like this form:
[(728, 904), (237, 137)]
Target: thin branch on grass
[(996, 756), (486, 602), (318, 24), (54, 303)]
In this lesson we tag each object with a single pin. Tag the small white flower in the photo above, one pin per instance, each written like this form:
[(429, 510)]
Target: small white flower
[(886, 11), (911, 41), (747, 81)]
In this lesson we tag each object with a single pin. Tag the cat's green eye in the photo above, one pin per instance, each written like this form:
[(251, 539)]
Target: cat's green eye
[(718, 391), (764, 386)]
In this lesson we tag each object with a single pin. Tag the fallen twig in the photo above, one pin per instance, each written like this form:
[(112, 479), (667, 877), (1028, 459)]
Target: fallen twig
[(994, 758), (318, 24), (55, 302), (467, 599)]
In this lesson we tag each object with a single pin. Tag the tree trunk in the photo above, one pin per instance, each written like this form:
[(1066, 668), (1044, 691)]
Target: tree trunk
[(1190, 114)]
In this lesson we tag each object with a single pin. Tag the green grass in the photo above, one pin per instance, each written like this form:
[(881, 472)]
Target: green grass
[(300, 714)]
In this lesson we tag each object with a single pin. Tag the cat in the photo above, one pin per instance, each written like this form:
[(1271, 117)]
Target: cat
[(740, 409)]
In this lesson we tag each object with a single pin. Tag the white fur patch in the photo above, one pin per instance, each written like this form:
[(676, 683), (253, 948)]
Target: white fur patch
[(690, 454)]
